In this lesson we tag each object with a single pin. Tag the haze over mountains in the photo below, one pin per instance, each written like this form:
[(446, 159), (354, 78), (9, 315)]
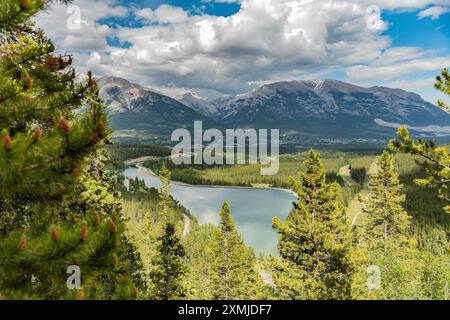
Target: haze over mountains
[(317, 111)]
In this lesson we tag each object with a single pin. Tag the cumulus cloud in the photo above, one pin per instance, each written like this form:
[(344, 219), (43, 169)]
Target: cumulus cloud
[(265, 40), (76, 27), (145, 13), (170, 14)]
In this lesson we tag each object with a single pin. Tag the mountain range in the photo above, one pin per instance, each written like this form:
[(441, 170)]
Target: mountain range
[(318, 111), (133, 107)]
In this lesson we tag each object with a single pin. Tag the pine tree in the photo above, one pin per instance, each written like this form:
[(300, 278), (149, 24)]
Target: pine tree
[(384, 240), (85, 229), (169, 269), (151, 212), (233, 274), (386, 220), (48, 153), (315, 241), (435, 158)]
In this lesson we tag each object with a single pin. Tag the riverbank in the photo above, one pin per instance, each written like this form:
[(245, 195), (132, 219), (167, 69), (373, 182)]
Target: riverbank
[(147, 171), (249, 175)]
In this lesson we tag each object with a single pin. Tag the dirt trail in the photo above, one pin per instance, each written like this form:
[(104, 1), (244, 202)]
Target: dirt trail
[(355, 207), (267, 278), (187, 225)]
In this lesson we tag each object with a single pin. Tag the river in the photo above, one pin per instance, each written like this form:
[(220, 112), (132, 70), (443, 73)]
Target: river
[(252, 208)]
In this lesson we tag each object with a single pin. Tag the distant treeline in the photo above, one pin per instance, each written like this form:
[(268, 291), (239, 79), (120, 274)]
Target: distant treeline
[(120, 152)]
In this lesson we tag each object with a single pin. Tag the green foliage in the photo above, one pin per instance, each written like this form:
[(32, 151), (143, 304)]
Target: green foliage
[(443, 84), (15, 15), (315, 242), (416, 269), (429, 227), (386, 243), (385, 219), (383, 241), (120, 152), (145, 224), (233, 266), (57, 202), (165, 204), (198, 244), (359, 175), (77, 231), (435, 159), (168, 267), (430, 224), (250, 175), (435, 276), (43, 141)]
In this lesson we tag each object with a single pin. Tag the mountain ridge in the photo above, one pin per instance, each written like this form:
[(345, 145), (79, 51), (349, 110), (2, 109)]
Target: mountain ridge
[(308, 109), (132, 106), (199, 104)]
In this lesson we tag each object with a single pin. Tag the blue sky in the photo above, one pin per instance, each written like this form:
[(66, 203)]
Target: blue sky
[(407, 30), (211, 7), (196, 7), (218, 47)]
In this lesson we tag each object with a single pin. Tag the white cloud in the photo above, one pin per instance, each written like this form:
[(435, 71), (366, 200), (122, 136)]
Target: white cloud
[(398, 62), (404, 4), (424, 86), (265, 40), (433, 12), (170, 14), (412, 85), (145, 13), (75, 27), (223, 1)]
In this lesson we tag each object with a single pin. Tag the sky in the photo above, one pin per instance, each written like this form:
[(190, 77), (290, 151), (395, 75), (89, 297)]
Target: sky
[(222, 47)]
